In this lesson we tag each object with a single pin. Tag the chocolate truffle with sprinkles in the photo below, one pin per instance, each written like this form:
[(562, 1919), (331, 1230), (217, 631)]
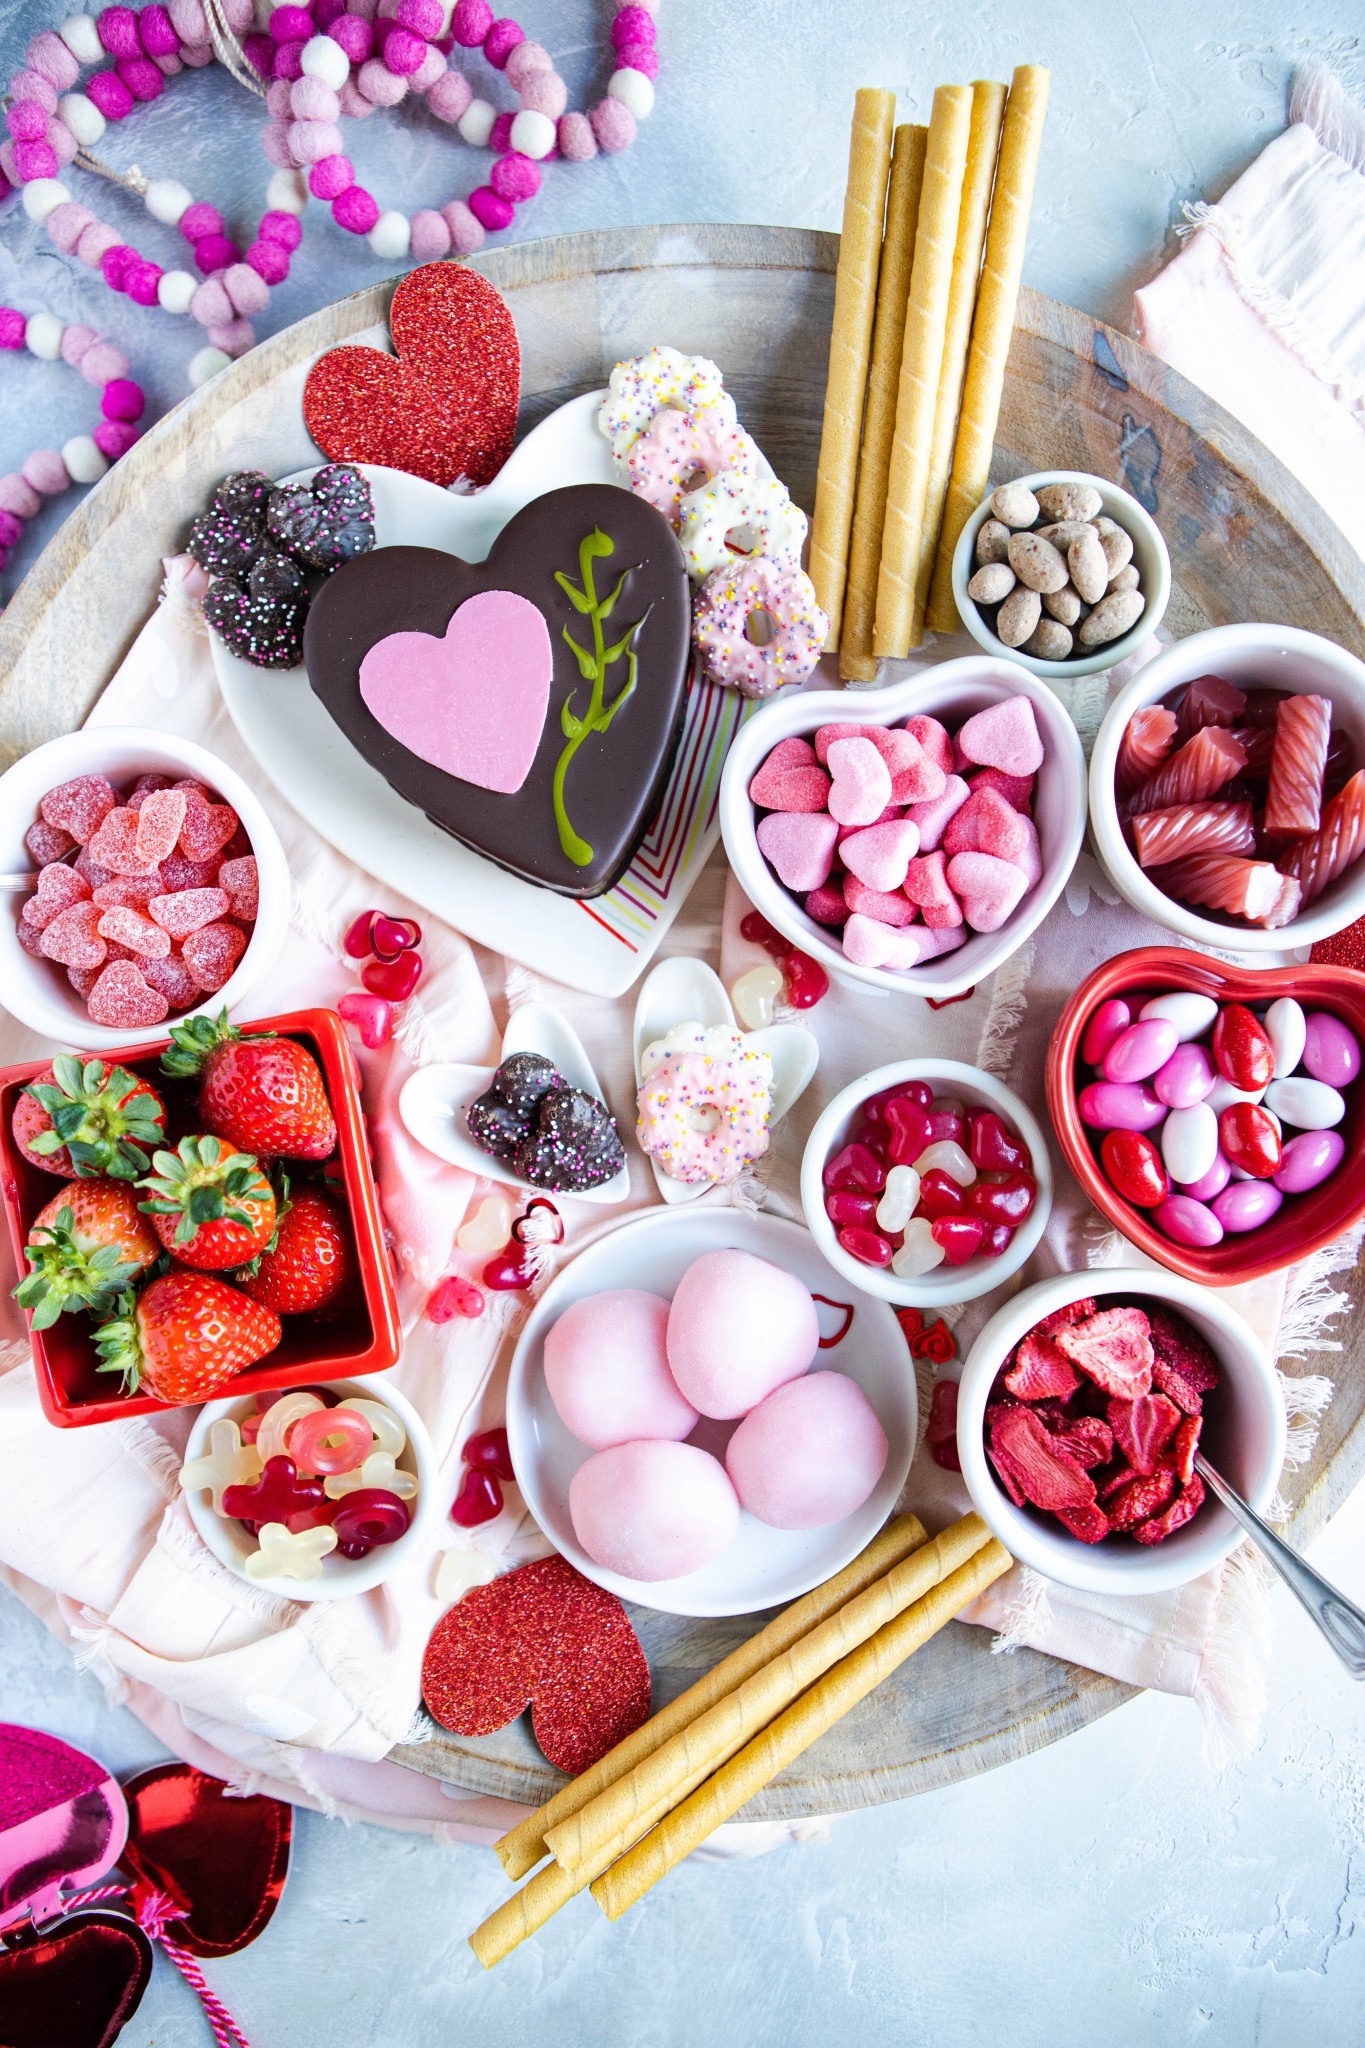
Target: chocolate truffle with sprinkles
[(261, 618), (325, 522), (230, 534), (556, 1137)]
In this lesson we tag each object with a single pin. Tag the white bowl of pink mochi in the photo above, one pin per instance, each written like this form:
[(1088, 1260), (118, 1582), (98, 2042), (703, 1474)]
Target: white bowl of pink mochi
[(799, 1408)]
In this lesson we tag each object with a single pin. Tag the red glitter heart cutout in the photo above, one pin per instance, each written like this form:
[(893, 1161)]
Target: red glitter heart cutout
[(546, 1637), (445, 406), (1343, 949)]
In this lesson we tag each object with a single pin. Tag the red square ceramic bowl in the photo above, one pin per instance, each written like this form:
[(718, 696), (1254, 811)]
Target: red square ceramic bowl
[(1304, 1222), (367, 1340)]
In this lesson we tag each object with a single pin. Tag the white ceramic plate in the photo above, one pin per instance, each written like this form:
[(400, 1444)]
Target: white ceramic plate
[(601, 945), (687, 991), (434, 1099), (763, 1566)]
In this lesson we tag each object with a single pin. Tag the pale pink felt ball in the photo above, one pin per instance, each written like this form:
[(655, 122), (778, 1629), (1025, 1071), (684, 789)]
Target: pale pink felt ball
[(466, 233), (653, 1511), (450, 95), (577, 143), (738, 1328), (606, 1367), (430, 236), (808, 1455)]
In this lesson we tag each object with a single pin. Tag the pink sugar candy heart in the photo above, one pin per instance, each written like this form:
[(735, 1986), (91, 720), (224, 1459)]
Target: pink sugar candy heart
[(1004, 735), (122, 999), (207, 828), (888, 817), (134, 892), (58, 888), (935, 739), (880, 854), (826, 905), (926, 883), (83, 979), (143, 788), (989, 889), (828, 734), (932, 818), (915, 778), (1031, 859), (80, 806), (861, 788), (212, 953), (790, 779), (159, 819), (240, 881), (1017, 790), (114, 846), (189, 910), (870, 944), (73, 937), (932, 943), (799, 846), (986, 824), (126, 927), (886, 906)]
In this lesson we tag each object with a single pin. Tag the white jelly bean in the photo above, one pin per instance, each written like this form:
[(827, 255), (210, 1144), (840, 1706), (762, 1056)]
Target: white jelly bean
[(899, 1199), (1222, 1095), (920, 1252), (1190, 1014), (1309, 1105), (1189, 1142), (1287, 1029), (949, 1158), (755, 995)]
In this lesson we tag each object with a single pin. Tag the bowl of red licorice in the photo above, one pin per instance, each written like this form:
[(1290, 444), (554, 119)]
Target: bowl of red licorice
[(1081, 1409), (1214, 1114), (1227, 789)]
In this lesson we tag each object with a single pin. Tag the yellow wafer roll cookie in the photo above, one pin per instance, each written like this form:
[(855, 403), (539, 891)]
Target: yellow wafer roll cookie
[(921, 364), (850, 341), (524, 1845), (857, 663), (720, 1797), (992, 327), (983, 144), (718, 1734)]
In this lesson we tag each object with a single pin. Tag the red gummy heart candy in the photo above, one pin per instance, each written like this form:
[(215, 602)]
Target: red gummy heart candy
[(910, 1128), (844, 1208), (356, 944), (1242, 1051), (1134, 1168), (992, 1149), (946, 1125), (867, 1246), (940, 1195), (393, 979), (806, 981), (1249, 1139), (1003, 1201), (755, 927), (959, 1237), (478, 1500), (856, 1166), (489, 1451), (390, 936), (509, 1271), (996, 1240)]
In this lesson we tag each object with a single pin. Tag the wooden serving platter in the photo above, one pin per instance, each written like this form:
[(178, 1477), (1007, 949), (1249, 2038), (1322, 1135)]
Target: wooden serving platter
[(1246, 542)]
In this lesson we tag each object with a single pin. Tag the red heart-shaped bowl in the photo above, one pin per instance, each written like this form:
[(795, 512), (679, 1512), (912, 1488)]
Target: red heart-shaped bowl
[(1305, 1222)]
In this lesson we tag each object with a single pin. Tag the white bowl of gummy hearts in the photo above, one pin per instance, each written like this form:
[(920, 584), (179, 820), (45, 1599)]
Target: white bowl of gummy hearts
[(912, 837), (704, 1418)]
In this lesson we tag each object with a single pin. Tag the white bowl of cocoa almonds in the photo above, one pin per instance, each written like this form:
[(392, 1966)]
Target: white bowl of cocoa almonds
[(1063, 572)]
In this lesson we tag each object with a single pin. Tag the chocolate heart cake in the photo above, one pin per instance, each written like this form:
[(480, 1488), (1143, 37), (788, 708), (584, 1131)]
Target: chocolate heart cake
[(529, 704)]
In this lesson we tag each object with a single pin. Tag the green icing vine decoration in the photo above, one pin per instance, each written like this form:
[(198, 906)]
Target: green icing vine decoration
[(593, 667)]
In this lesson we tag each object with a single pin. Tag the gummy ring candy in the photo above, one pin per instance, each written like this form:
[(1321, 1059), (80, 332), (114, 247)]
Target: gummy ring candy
[(278, 1420), (336, 1440), (370, 1516), (389, 1433)]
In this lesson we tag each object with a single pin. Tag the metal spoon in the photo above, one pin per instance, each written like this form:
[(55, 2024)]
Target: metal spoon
[(1340, 1620)]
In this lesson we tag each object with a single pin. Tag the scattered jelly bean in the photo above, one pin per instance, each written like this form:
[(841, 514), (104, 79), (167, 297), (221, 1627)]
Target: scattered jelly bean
[(508, 1272), (897, 1204), (1308, 1160), (1140, 1051), (1287, 1029), (920, 1251), (1009, 1199), (1246, 1204), (1120, 1106), (1189, 1142), (806, 981), (949, 1158), (855, 1166), (489, 1451), (867, 1246), (1191, 1014), (371, 1015), (910, 1129), (845, 1207), (959, 1237), (1211, 1183), (1187, 1077), (1134, 1169), (1331, 1051), (992, 1148), (488, 1229), (1249, 1139), (756, 995), (1242, 1051), (1309, 1105), (390, 936), (1188, 1222), (755, 927), (455, 1296), (1109, 1020), (940, 1195)]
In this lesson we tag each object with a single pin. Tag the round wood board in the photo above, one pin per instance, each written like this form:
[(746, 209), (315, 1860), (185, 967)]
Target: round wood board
[(1246, 542)]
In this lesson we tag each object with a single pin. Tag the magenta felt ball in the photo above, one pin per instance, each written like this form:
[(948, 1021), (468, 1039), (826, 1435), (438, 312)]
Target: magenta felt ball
[(450, 95), (355, 35), (269, 260), (639, 57), (326, 12), (425, 18), (430, 236), (514, 177), (259, 52), (35, 160), (143, 78), (501, 40), (470, 22), (114, 438), (11, 529), (576, 140), (613, 125), (27, 121), (114, 265), (48, 55), (123, 400), (12, 326), (332, 177), (356, 210), (490, 211), (466, 233), (142, 282), (200, 220), (215, 252), (291, 25), (46, 471), (110, 95), (500, 134), (288, 61), (632, 25), (159, 38), (282, 228), (404, 52), (118, 32)]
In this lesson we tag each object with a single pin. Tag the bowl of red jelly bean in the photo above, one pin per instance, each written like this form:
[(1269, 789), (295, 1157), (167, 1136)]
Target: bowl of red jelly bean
[(926, 1182), (1214, 1114)]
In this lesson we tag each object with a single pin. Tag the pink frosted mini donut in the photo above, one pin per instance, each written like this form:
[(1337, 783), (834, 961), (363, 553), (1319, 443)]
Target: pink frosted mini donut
[(704, 1115), (729, 606), (680, 451)]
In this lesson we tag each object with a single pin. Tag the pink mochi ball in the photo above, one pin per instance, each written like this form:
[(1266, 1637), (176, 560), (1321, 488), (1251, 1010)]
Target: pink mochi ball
[(808, 1455), (653, 1510), (606, 1367), (739, 1327)]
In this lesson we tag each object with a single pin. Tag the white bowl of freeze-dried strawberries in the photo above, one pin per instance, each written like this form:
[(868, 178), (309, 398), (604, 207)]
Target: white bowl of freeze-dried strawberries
[(1080, 1411)]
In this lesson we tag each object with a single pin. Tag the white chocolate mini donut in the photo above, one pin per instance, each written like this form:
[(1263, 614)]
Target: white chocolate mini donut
[(643, 385), (779, 592), (679, 451), (758, 507), (705, 1103)]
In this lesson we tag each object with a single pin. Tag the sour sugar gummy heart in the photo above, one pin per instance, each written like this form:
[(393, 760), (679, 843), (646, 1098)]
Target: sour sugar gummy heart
[(211, 954), (79, 807), (123, 1000)]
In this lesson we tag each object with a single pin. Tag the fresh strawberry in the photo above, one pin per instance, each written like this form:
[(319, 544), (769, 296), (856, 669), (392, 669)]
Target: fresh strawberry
[(84, 1248), (80, 1118), (312, 1258), (185, 1337), (211, 1207), (263, 1093)]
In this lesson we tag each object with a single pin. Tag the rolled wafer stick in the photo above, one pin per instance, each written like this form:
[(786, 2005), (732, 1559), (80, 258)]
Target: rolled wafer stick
[(524, 1845), (992, 327), (857, 663), (717, 1734), (721, 1796), (926, 320), (850, 341), (983, 146)]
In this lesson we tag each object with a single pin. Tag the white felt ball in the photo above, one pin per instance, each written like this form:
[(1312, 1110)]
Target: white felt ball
[(43, 336), (85, 464), (322, 58), (166, 199), (287, 191), (82, 37), (175, 289), (533, 134), (43, 196), (476, 123), (633, 90), (390, 237), (82, 117), (207, 363)]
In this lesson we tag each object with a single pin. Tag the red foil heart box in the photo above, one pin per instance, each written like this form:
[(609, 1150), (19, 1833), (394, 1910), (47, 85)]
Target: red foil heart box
[(221, 1858), (75, 1986)]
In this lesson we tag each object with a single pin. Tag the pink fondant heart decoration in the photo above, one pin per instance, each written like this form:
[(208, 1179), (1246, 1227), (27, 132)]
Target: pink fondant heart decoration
[(880, 854), (474, 702), (988, 888), (827, 905), (861, 787), (799, 845), (1004, 735), (935, 739), (1031, 859), (926, 883), (867, 943)]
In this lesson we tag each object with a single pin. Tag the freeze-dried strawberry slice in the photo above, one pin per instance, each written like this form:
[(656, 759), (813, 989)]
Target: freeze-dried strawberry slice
[(1085, 1439), (1186, 1443), (1045, 1478), (1144, 1497), (1116, 1481), (1113, 1348), (1041, 1372), (1004, 1469), (1074, 1312), (1182, 1509), (1175, 1343), (1090, 1523), (941, 1430), (1143, 1428)]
